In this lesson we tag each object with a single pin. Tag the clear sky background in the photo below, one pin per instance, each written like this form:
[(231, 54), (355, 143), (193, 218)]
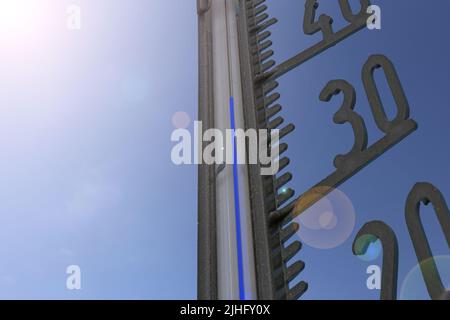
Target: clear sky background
[(86, 175), (85, 124)]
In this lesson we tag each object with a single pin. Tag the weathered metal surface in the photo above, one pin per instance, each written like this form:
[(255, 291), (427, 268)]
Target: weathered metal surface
[(323, 24), (386, 235), (272, 211), (206, 252), (261, 112), (426, 193), (361, 155)]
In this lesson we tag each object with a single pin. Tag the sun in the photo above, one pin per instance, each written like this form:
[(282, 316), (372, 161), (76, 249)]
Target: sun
[(17, 17)]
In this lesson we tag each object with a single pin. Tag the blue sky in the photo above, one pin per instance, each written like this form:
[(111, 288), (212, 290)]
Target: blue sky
[(85, 136), (85, 124)]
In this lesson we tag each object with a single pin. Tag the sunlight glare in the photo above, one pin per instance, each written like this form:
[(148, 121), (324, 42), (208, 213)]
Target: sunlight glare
[(17, 18)]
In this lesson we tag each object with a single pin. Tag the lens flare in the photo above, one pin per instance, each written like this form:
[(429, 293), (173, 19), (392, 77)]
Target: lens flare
[(328, 223), (373, 250), (328, 220), (181, 120), (414, 288), (16, 17)]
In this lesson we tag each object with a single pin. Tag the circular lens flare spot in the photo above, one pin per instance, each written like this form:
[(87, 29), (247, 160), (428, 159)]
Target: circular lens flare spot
[(181, 120), (414, 288), (374, 247), (328, 223), (310, 218), (327, 220)]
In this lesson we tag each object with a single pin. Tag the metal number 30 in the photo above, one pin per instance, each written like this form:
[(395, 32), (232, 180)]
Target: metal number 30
[(394, 130)]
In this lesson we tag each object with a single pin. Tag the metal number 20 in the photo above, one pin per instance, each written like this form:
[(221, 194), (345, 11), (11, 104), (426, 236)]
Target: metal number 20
[(382, 231), (427, 193)]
